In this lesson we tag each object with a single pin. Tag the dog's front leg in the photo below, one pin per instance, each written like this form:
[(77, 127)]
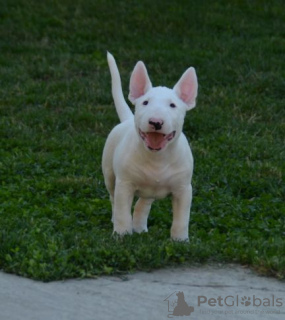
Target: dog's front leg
[(181, 203), (140, 215), (123, 199)]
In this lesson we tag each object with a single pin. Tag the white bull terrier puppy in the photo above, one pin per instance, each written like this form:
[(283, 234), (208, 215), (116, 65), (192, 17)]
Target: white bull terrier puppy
[(147, 154)]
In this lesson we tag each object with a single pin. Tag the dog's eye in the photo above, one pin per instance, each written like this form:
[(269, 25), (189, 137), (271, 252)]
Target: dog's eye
[(145, 103), (172, 105)]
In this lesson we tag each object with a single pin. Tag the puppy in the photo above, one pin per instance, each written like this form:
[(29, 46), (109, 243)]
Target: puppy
[(147, 155)]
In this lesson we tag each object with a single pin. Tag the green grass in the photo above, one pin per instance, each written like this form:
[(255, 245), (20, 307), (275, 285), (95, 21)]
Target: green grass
[(56, 110)]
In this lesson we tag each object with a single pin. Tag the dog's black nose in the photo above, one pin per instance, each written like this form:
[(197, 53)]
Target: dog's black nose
[(156, 123)]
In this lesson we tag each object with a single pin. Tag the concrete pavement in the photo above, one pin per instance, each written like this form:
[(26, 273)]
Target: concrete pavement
[(209, 292)]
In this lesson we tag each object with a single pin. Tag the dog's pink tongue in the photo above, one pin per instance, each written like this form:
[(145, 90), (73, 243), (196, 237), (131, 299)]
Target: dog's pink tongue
[(155, 140)]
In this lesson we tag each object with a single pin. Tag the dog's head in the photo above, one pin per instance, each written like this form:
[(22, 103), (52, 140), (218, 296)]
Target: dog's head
[(160, 111)]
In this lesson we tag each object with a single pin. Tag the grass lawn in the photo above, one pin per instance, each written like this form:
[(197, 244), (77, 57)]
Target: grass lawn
[(56, 111)]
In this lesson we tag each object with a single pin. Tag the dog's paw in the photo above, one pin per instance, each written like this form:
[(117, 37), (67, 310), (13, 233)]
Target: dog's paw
[(119, 237), (182, 240), (139, 226), (179, 233), (140, 229), (121, 231), (179, 237)]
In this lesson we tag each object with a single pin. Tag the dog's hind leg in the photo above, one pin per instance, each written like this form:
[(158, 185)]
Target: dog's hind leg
[(141, 212), (112, 203), (110, 179)]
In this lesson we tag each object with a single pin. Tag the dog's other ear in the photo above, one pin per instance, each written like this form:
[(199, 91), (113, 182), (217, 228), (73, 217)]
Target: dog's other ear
[(139, 82), (187, 88)]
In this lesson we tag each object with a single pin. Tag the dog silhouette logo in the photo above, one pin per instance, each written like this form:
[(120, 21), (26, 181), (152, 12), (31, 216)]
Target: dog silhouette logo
[(177, 306)]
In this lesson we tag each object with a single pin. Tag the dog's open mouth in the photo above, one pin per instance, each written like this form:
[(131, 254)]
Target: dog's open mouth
[(156, 141)]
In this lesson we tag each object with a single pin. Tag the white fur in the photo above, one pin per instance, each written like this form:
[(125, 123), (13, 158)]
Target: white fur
[(129, 166)]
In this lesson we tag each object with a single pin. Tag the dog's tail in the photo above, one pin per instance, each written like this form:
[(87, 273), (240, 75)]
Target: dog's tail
[(123, 110)]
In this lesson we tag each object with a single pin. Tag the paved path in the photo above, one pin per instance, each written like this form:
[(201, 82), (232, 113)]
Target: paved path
[(207, 289)]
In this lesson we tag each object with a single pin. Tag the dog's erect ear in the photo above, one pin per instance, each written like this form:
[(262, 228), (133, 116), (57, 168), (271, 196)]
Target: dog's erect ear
[(187, 88), (139, 82)]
